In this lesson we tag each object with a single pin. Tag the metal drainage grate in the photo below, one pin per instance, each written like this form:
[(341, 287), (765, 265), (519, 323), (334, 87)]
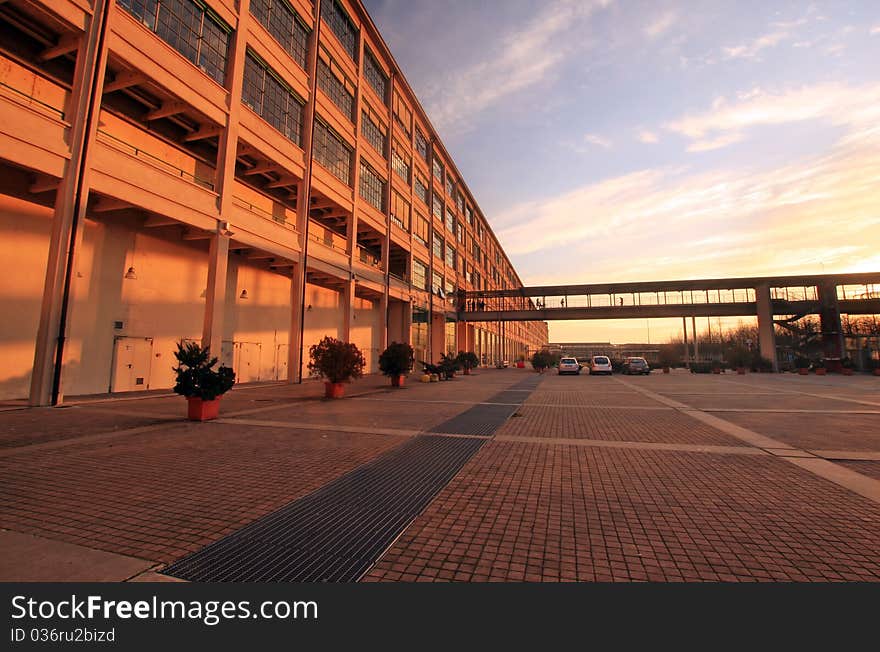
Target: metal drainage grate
[(336, 533), (514, 397), (478, 420), (531, 382)]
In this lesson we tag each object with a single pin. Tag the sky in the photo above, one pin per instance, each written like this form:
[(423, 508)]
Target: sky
[(621, 140)]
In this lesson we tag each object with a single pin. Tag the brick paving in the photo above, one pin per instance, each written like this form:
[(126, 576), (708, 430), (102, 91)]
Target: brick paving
[(605, 483)]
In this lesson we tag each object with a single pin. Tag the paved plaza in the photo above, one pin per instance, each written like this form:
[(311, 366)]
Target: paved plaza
[(669, 477)]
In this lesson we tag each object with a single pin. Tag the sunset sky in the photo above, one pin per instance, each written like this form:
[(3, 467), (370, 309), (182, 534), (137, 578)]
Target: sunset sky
[(623, 140)]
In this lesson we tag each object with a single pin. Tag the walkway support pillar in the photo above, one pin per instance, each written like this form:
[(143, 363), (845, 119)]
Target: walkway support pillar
[(829, 321), (215, 294), (766, 333), (684, 330)]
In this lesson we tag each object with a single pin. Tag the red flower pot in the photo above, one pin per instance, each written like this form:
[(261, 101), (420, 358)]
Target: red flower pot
[(334, 390), (876, 372), (520, 365), (467, 372), (803, 372), (821, 371), (847, 371), (397, 381), (199, 410), (716, 370), (665, 370), (741, 371)]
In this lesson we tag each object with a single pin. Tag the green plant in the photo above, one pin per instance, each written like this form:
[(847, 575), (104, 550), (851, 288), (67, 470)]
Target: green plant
[(739, 358), (848, 363), (819, 364), (667, 358), (703, 367), (335, 360), (541, 360), (448, 365), (397, 359), (801, 362), (196, 376), (468, 359)]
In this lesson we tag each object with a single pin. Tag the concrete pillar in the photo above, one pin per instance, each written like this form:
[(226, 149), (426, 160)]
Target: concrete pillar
[(347, 303), (437, 335), (215, 294), (407, 322), (696, 339), (766, 332), (829, 320), (296, 368), (71, 200), (684, 329)]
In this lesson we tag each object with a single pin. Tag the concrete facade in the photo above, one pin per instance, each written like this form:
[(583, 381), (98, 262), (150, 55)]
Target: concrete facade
[(257, 185)]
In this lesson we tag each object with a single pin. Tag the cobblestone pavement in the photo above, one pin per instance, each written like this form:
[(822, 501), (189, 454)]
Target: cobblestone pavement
[(660, 478)]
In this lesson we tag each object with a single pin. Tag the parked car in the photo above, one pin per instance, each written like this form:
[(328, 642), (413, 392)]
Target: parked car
[(636, 366), (600, 364), (569, 366)]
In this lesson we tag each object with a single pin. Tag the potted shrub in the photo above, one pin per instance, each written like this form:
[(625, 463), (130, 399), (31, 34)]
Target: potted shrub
[(541, 361), (819, 367), (448, 366), (396, 361), (667, 359), (716, 366), (199, 382), (847, 366), (802, 365), (467, 360), (739, 360), (336, 361), (874, 366), (520, 361)]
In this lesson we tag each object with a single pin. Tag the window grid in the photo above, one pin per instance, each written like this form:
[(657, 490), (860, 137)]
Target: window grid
[(450, 220), (271, 99), (400, 164), (437, 246), (438, 170), (375, 132), (450, 257), (342, 26), (402, 115), (372, 187), (335, 88), (375, 76), (421, 144), (419, 274), (284, 24), (399, 210), (437, 207), (421, 188), (189, 28), (450, 186), (421, 228), (332, 152)]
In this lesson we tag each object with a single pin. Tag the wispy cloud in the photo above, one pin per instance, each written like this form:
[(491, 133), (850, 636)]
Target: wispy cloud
[(821, 209), (727, 121), (751, 49), (875, 30), (522, 58), (594, 139), (648, 137), (660, 25)]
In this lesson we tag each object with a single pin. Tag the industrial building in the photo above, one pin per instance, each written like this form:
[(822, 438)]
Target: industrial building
[(252, 174)]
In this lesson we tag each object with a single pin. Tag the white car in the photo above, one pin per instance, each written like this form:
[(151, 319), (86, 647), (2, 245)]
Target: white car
[(569, 366), (600, 364)]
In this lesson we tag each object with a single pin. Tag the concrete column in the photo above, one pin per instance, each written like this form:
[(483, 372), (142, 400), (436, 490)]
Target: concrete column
[(407, 322), (696, 339), (215, 294), (71, 200), (437, 335), (295, 356), (829, 320), (347, 303), (684, 329), (766, 332)]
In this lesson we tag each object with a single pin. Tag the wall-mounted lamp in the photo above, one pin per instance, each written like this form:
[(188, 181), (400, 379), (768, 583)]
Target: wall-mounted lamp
[(243, 295), (308, 308), (130, 274)]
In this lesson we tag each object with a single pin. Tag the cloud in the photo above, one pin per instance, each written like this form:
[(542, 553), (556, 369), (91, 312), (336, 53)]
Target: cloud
[(751, 49), (684, 224), (727, 121), (593, 139), (715, 143), (875, 30), (648, 137), (660, 25), (523, 58)]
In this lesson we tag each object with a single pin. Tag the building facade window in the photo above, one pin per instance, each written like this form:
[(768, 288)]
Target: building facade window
[(469, 215), (374, 131), (402, 115), (436, 283), (437, 246), (342, 26), (399, 210), (450, 257), (450, 186), (273, 100), (372, 187), (284, 24), (421, 188), (459, 202), (438, 171), (450, 220), (375, 76), (421, 228), (437, 206), (421, 144), (459, 233), (332, 152), (335, 85), (419, 274), (400, 163), (190, 28)]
